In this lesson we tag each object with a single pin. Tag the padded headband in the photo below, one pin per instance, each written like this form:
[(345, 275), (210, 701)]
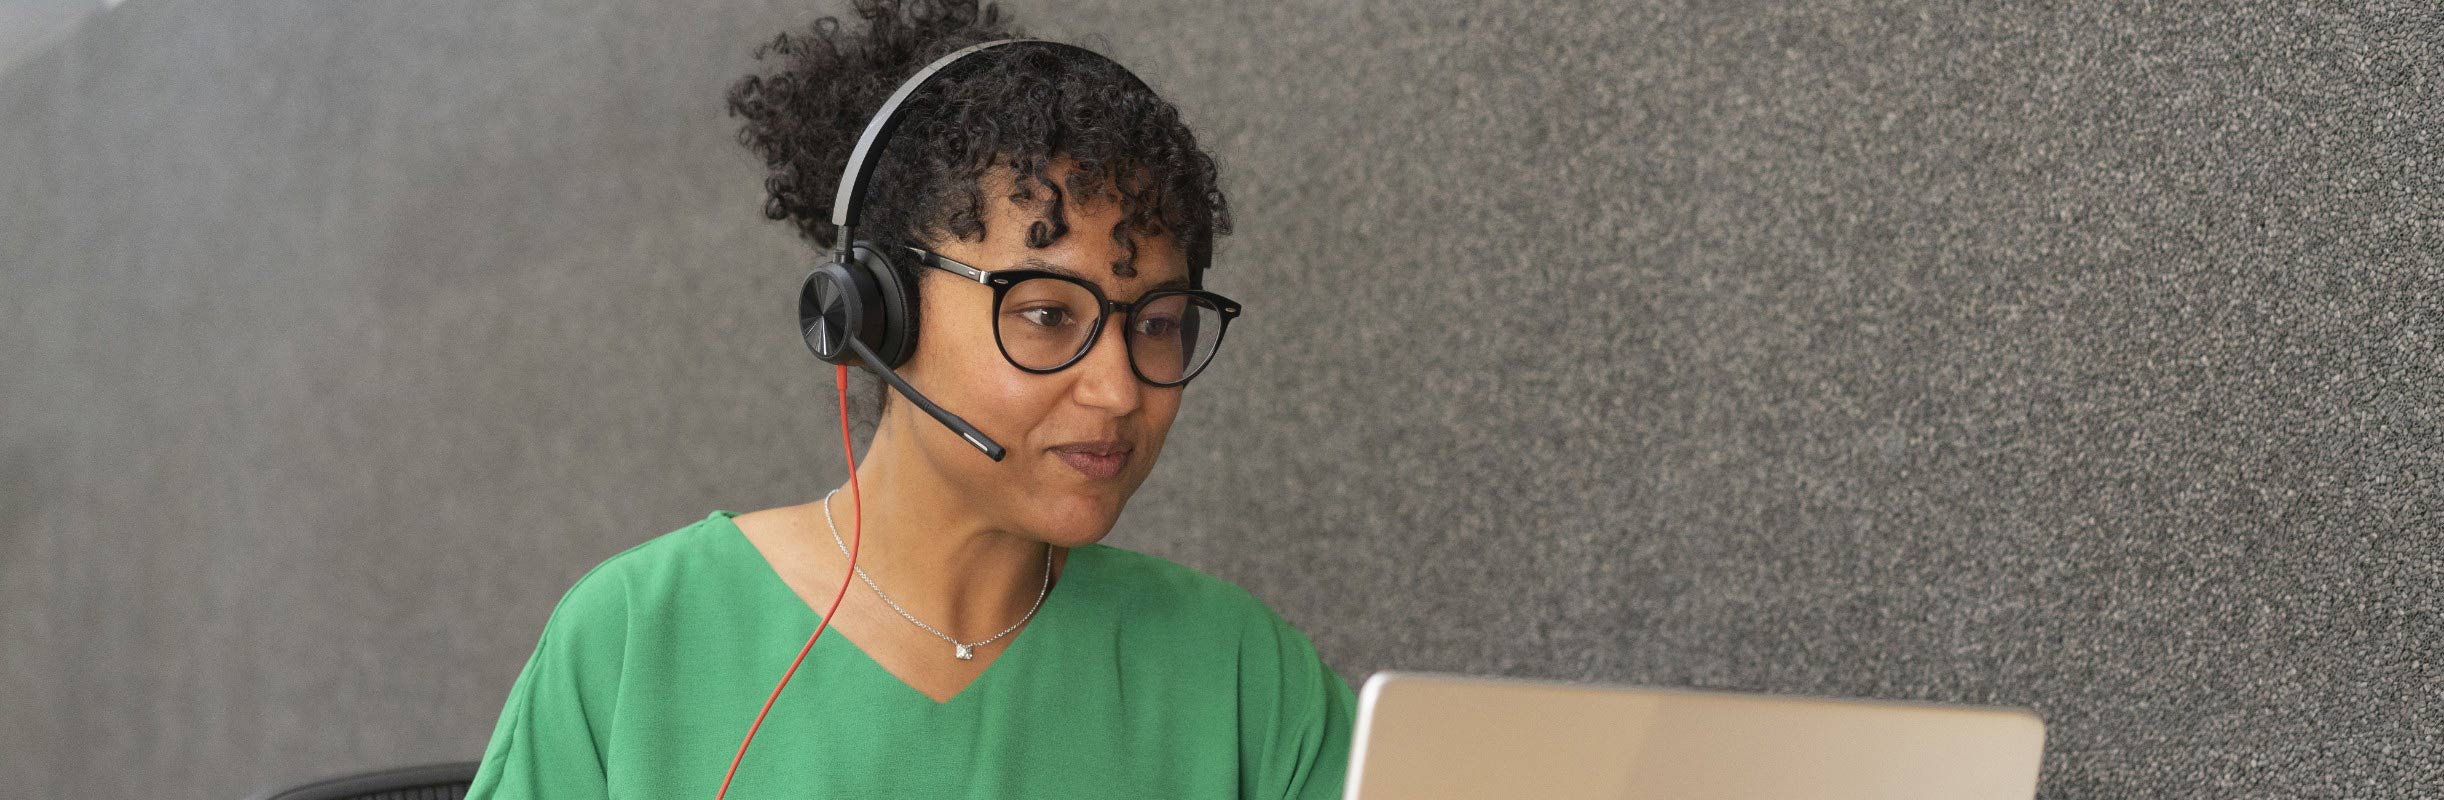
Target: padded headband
[(851, 199)]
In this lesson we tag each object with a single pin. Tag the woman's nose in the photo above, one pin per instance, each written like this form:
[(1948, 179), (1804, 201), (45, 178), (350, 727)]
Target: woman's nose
[(1104, 378)]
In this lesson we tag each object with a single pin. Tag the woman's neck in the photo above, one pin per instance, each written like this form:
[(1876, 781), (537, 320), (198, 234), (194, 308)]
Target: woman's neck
[(930, 544)]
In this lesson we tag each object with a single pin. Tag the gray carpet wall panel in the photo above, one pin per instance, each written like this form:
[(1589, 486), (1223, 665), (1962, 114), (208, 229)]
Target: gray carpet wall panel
[(2083, 356)]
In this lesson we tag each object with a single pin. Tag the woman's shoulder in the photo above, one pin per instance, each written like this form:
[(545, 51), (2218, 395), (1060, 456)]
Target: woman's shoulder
[(637, 576), (1202, 624), (1154, 590)]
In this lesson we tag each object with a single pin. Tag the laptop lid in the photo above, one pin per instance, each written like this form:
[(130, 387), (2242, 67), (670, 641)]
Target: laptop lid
[(1424, 736)]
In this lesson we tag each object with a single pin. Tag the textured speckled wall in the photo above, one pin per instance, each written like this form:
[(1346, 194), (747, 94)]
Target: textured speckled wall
[(2080, 355)]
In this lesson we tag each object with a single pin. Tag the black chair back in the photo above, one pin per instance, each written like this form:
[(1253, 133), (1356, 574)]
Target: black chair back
[(447, 781)]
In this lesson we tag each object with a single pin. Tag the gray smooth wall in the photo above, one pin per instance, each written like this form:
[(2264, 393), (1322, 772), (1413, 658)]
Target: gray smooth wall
[(2077, 355)]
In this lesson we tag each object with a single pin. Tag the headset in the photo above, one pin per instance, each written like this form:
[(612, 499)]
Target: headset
[(856, 309)]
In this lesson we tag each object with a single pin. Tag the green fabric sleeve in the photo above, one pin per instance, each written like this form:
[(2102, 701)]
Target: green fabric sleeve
[(1324, 740), (1303, 744), (555, 726)]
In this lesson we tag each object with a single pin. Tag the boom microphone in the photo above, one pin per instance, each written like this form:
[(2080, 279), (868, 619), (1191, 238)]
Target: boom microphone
[(966, 431)]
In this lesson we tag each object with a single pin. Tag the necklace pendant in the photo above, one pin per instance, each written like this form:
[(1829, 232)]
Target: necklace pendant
[(966, 652)]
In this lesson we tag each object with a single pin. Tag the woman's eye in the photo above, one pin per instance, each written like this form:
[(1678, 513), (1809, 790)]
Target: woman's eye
[(1046, 316), (1156, 326)]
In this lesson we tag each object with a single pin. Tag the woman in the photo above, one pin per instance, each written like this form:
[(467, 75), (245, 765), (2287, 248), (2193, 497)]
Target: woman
[(992, 648)]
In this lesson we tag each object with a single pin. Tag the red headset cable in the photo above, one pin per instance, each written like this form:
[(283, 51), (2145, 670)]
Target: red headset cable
[(840, 377)]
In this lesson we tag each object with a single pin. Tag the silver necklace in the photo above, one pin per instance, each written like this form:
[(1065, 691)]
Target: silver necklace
[(966, 650)]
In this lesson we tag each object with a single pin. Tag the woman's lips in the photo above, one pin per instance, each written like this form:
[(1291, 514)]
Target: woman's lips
[(1093, 466)]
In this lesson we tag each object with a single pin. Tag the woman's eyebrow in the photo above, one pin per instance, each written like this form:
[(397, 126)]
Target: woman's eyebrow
[(1032, 262)]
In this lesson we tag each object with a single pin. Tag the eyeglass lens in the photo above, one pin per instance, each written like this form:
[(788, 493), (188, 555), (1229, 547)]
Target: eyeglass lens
[(1044, 323)]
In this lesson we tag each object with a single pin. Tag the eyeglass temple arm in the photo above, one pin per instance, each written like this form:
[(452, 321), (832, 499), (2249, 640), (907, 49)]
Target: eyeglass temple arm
[(933, 259)]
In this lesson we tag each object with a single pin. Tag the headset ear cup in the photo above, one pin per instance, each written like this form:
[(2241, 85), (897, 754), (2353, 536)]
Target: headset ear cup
[(832, 305), (892, 318)]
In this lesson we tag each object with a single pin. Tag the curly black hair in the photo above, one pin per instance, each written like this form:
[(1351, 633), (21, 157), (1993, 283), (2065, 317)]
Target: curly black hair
[(1017, 105)]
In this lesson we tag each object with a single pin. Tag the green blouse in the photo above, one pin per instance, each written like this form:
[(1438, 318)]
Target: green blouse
[(1138, 678)]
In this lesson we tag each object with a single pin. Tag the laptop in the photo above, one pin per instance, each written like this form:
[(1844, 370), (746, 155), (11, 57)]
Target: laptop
[(1423, 736)]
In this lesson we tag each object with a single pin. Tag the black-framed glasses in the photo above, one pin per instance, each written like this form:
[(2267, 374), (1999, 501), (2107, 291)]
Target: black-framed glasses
[(1045, 321)]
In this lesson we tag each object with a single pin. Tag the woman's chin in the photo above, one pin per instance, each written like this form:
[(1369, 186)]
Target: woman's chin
[(1071, 521)]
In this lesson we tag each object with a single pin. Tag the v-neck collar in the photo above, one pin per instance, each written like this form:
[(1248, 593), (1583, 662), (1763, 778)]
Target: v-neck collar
[(1013, 647)]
